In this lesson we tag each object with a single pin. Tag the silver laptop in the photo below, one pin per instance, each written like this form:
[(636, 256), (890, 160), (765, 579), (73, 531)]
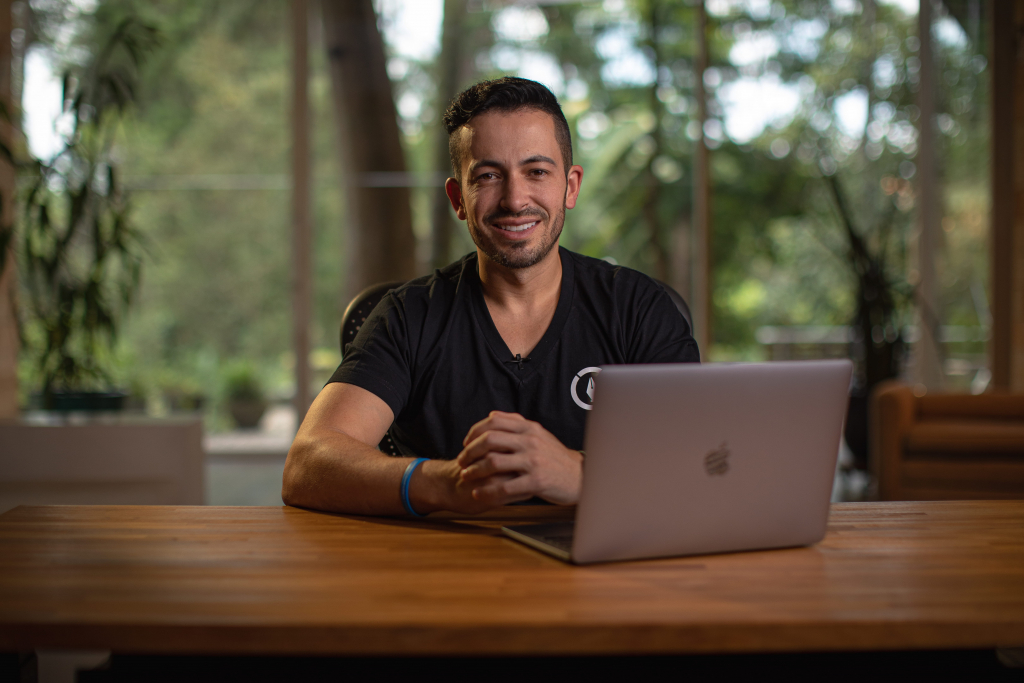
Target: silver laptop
[(691, 459)]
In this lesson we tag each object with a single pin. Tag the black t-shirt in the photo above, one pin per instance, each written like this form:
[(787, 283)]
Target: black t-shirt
[(432, 353)]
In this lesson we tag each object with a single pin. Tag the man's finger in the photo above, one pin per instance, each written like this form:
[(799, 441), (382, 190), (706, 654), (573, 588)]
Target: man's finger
[(500, 441), (491, 464), (505, 422), (467, 489), (496, 421), (504, 492)]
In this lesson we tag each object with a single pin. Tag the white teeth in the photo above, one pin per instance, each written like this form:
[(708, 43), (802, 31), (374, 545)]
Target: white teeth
[(518, 228)]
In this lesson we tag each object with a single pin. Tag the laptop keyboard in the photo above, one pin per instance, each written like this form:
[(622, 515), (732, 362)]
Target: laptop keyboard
[(560, 541), (555, 537)]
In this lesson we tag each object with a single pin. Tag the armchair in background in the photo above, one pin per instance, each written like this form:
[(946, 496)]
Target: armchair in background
[(946, 446)]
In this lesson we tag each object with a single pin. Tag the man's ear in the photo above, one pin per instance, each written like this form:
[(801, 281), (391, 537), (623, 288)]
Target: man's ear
[(453, 189), (573, 181)]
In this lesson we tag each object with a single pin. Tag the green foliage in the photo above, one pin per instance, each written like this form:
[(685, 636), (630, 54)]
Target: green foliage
[(205, 155), (212, 117), (80, 252), (242, 382)]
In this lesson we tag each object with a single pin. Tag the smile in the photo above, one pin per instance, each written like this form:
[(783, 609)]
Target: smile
[(516, 228)]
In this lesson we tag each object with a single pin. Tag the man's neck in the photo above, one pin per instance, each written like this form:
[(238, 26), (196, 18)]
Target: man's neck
[(519, 288), (521, 302)]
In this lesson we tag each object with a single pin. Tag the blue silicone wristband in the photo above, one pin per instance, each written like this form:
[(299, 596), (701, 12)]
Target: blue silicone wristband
[(405, 485)]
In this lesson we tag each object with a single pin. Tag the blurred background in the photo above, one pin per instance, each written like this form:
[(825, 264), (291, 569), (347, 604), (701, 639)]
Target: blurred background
[(813, 176)]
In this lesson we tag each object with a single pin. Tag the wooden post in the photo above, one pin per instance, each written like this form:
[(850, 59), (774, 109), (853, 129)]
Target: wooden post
[(657, 248), (927, 353), (1006, 349), (449, 64), (302, 275), (9, 280), (381, 245), (701, 301)]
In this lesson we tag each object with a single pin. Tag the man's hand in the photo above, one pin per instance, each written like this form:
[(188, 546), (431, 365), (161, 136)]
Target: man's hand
[(507, 458), (438, 485)]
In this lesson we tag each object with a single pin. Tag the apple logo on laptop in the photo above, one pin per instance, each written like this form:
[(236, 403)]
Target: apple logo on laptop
[(717, 461)]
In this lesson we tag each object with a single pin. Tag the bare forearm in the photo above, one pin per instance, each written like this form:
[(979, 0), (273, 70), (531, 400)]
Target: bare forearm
[(332, 464), (332, 471)]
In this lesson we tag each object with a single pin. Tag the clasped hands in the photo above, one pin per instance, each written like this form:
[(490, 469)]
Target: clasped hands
[(507, 458)]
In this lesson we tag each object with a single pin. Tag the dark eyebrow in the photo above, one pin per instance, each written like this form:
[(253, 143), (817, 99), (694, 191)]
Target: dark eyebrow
[(484, 162), (535, 159)]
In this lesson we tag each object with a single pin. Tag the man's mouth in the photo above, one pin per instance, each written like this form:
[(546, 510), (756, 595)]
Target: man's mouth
[(516, 228)]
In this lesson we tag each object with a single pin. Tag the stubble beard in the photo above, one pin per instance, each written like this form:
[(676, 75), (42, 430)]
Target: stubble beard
[(516, 256)]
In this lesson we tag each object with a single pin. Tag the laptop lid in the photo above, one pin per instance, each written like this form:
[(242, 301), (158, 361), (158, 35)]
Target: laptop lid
[(688, 459)]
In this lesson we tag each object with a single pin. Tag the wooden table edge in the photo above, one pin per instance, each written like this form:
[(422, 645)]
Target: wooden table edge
[(520, 640)]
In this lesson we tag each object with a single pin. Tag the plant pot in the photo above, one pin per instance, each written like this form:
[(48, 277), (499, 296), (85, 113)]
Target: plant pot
[(856, 430), (185, 402), (247, 412), (84, 401)]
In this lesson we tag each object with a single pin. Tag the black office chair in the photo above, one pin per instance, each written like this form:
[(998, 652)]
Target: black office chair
[(352, 319), (680, 303), (359, 308)]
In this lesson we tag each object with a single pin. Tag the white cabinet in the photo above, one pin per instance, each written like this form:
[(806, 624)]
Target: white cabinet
[(112, 461)]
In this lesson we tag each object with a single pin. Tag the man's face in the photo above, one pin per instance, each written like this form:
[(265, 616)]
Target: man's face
[(514, 189)]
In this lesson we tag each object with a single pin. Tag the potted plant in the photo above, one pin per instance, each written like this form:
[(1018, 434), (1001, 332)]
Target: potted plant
[(183, 395), (245, 398), (882, 296), (79, 253)]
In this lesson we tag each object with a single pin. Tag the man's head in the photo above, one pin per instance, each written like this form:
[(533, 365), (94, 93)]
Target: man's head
[(513, 166), (508, 95)]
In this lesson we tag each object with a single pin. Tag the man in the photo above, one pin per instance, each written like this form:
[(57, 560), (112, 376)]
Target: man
[(487, 366)]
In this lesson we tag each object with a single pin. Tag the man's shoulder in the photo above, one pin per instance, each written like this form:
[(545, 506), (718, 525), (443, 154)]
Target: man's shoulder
[(449, 275), (605, 273), (442, 284)]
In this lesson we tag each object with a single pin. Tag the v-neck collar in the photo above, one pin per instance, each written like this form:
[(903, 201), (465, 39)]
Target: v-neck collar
[(547, 342)]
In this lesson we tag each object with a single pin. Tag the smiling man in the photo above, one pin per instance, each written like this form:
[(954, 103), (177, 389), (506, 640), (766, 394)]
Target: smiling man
[(484, 371)]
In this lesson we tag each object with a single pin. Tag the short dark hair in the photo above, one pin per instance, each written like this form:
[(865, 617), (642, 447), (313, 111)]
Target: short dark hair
[(507, 94)]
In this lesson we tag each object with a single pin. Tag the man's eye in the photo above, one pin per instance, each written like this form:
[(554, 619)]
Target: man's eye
[(538, 172), (486, 176)]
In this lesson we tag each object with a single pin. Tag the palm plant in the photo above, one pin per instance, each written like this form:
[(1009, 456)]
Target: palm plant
[(79, 252), (882, 299), (881, 294)]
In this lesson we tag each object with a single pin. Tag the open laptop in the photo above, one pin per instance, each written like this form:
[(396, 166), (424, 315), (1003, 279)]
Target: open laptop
[(691, 459)]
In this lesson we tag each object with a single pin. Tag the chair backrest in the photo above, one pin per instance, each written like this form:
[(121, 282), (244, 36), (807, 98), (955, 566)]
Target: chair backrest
[(359, 308), (352, 319), (679, 302)]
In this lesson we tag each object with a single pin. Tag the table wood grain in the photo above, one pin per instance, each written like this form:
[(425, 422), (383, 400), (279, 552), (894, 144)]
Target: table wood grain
[(281, 580)]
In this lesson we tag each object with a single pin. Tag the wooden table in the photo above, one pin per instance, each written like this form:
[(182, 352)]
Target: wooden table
[(288, 581)]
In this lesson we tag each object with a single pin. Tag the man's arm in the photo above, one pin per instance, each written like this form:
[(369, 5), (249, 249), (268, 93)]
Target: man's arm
[(334, 463)]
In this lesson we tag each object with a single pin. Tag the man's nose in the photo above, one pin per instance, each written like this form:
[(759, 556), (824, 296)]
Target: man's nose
[(515, 196)]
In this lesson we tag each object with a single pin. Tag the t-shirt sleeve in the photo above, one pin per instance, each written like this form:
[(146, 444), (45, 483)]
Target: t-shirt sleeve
[(378, 358), (660, 332)]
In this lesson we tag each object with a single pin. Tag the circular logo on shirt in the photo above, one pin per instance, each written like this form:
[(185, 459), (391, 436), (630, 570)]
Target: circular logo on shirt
[(582, 389)]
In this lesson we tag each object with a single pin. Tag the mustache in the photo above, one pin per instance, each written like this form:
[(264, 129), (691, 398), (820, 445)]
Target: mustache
[(531, 212)]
